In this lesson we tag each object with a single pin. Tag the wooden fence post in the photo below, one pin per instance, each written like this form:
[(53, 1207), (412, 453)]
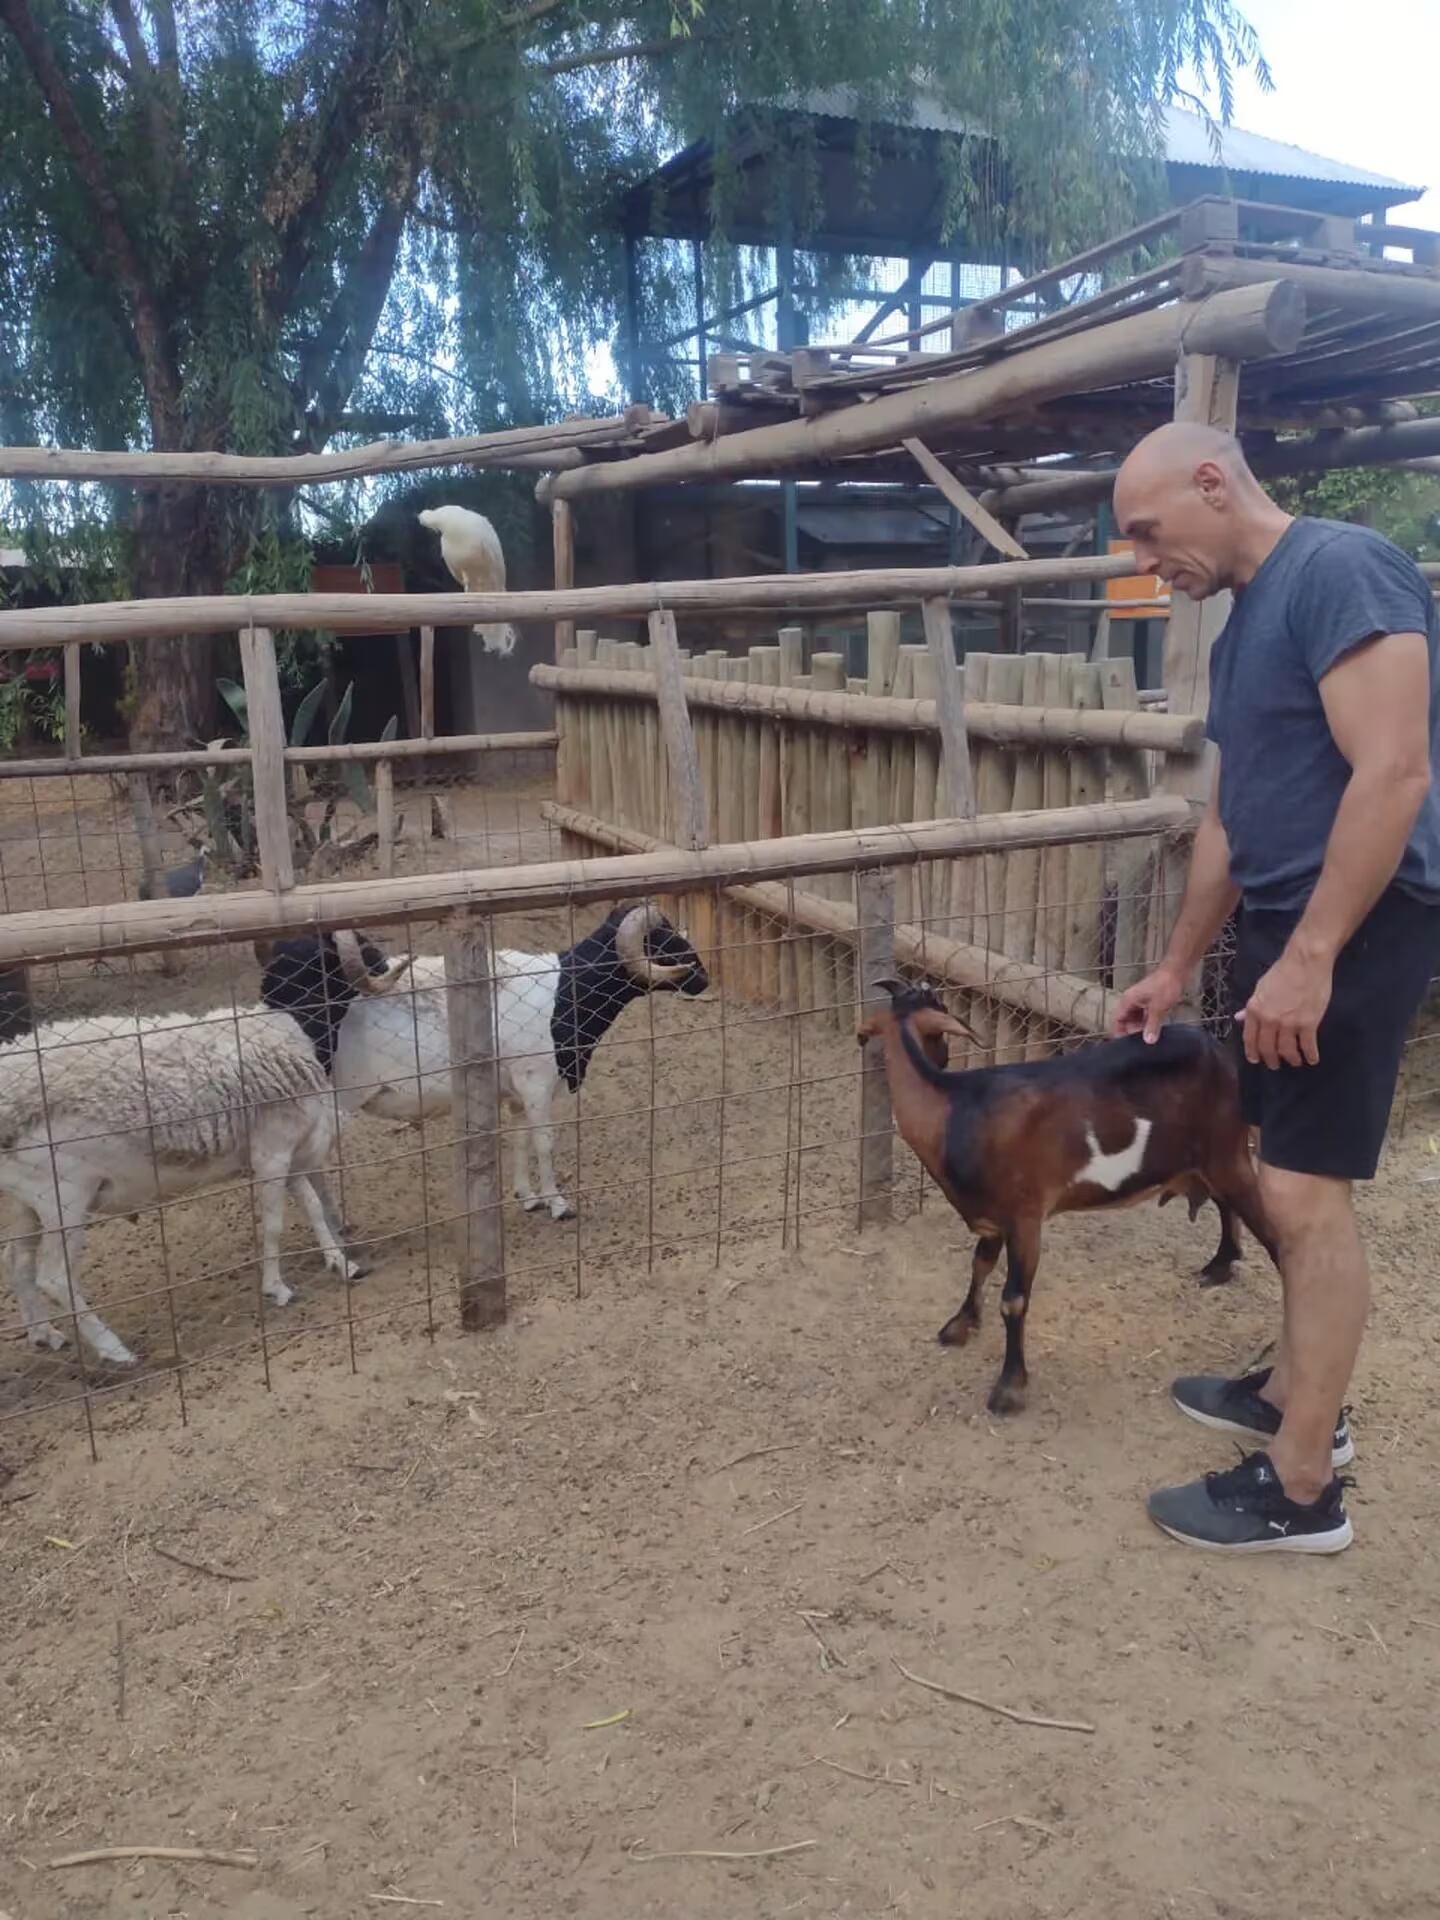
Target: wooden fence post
[(875, 961), (950, 709), (686, 790), (72, 699), (562, 530), (475, 1103), (427, 683), (385, 817), (267, 757), (1207, 391)]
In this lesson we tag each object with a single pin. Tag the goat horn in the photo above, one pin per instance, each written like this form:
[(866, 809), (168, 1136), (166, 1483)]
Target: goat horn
[(359, 976), (630, 945)]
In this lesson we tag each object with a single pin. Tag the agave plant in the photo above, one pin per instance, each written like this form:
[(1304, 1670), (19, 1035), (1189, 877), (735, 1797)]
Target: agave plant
[(224, 798)]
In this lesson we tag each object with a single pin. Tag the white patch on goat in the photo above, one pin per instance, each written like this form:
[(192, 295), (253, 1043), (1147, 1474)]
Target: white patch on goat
[(1112, 1170)]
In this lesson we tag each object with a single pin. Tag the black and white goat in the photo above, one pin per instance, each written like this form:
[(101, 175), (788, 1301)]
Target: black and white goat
[(109, 1115), (388, 1052)]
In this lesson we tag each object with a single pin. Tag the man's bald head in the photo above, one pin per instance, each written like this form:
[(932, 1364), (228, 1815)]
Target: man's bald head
[(1196, 513)]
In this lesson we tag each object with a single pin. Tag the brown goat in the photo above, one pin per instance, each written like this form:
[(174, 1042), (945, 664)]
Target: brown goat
[(1107, 1126)]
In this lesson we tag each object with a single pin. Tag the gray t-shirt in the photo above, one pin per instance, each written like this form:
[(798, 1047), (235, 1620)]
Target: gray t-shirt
[(1325, 589)]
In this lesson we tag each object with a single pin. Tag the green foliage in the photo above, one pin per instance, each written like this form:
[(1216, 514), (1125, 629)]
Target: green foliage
[(1402, 504), (269, 226)]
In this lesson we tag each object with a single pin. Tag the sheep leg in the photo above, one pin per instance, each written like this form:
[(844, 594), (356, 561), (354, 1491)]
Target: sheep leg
[(20, 1263), (1022, 1254), (536, 1094), (271, 1176), (56, 1278), (312, 1190), (959, 1327)]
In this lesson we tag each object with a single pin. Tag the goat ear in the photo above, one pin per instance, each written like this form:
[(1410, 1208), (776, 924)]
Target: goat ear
[(929, 1020), (868, 1029)]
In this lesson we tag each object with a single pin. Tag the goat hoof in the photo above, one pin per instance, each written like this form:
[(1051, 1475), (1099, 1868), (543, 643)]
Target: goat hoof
[(45, 1338), (1217, 1276), (114, 1353), (356, 1270), (958, 1329), (1007, 1397), (281, 1296)]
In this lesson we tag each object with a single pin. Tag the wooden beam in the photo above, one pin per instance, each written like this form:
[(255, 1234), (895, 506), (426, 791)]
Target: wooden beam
[(964, 502), (562, 530), (875, 928), (266, 718), (1011, 725), (686, 788), (72, 700), (1348, 289), (288, 470), (1383, 446), (427, 683), (479, 1229), (1248, 323), (136, 926), (1046, 994), (950, 711), (111, 621)]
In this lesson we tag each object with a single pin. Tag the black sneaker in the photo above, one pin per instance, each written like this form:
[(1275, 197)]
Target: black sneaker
[(1248, 1511), (1235, 1406)]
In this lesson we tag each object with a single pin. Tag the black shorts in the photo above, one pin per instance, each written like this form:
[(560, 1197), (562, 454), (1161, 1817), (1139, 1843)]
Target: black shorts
[(1331, 1118)]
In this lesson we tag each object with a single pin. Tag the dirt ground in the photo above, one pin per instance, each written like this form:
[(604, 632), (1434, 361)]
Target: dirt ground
[(723, 1500), (539, 1623)]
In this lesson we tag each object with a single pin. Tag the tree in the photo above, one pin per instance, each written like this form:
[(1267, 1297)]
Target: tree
[(255, 225)]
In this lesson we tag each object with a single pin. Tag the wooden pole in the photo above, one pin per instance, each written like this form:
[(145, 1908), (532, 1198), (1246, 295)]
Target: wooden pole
[(427, 683), (964, 502), (108, 622), (1084, 866), (1247, 323), (267, 757), (950, 711), (72, 700), (1127, 864), (562, 531), (875, 923), (475, 1104), (831, 706), (385, 817), (687, 794), (512, 446), (1015, 984), (138, 926), (1207, 391)]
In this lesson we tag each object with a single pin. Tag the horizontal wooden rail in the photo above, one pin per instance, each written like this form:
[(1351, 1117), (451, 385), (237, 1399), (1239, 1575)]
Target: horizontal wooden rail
[(362, 751), (1010, 725), (1050, 995), (521, 446), (364, 613), (138, 926)]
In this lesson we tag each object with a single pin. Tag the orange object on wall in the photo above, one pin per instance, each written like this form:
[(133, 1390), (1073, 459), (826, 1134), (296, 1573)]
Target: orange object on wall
[(1135, 586)]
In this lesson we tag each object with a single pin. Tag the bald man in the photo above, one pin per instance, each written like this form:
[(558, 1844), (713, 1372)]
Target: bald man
[(1323, 824)]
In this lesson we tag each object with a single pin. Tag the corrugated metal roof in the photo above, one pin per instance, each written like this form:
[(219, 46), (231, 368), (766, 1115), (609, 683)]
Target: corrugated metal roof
[(1188, 141)]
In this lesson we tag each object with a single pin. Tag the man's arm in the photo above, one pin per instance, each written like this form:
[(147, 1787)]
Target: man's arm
[(1210, 898), (1377, 701)]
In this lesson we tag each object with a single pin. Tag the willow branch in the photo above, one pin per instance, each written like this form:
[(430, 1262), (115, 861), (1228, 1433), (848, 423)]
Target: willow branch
[(162, 386), (610, 56)]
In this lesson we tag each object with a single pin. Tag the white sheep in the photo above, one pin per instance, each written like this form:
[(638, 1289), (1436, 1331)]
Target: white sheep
[(388, 1051), (114, 1114), (470, 548)]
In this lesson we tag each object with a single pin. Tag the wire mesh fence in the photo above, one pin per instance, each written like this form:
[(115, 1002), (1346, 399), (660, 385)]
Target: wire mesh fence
[(90, 840), (678, 1079)]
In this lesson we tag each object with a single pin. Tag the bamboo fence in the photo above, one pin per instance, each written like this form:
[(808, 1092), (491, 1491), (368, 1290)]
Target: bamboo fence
[(789, 747)]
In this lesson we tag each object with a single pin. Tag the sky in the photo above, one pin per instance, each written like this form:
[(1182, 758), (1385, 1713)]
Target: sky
[(1356, 83)]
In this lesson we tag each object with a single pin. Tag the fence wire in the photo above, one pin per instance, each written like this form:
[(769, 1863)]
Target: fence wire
[(202, 1172)]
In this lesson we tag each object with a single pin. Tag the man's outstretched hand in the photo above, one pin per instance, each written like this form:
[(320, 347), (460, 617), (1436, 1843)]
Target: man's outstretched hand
[(1144, 1006)]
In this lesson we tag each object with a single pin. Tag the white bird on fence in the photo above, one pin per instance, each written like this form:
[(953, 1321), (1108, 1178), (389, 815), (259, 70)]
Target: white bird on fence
[(470, 548)]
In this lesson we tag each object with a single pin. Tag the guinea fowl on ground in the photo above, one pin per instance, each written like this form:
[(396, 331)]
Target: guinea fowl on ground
[(177, 883)]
